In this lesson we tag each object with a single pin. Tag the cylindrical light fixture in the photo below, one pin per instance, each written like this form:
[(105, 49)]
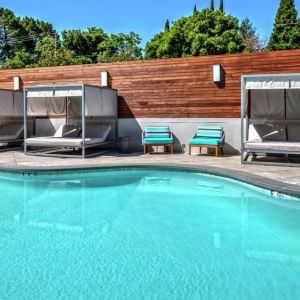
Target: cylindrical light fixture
[(104, 78), (217, 73), (16, 80)]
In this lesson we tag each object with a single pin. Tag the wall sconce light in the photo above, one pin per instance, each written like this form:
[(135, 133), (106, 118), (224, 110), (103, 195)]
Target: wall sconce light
[(217, 73), (104, 78), (16, 80)]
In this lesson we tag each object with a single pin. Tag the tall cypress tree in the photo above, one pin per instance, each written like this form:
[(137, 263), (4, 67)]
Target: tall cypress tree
[(212, 5), (167, 26), (195, 8), (286, 30), (221, 6)]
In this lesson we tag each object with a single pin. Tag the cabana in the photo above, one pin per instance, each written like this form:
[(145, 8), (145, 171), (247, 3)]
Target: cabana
[(270, 117), (11, 119), (68, 120)]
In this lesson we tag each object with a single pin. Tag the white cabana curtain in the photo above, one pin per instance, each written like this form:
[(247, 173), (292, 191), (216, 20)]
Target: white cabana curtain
[(51, 101), (293, 104), (46, 106), (18, 104), (267, 104), (11, 103), (99, 102)]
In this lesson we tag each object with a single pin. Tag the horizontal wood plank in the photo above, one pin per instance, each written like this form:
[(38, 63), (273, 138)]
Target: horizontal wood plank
[(180, 87)]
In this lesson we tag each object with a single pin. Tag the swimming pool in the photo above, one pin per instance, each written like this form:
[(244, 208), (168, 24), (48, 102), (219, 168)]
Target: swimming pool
[(145, 234)]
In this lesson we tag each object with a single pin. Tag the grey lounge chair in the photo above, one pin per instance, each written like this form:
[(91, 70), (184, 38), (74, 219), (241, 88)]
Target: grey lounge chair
[(11, 133)]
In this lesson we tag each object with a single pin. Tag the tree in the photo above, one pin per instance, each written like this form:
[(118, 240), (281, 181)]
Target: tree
[(120, 47), (84, 43), (167, 26), (212, 5), (9, 32), (286, 30), (207, 32), (250, 38), (18, 38), (21, 59), (195, 8), (221, 8), (50, 53)]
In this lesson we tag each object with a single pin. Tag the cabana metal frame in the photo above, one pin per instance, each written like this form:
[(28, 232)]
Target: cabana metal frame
[(74, 90), (274, 85)]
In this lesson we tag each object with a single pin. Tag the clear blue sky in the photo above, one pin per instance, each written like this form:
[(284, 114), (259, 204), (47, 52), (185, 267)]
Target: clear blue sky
[(145, 17)]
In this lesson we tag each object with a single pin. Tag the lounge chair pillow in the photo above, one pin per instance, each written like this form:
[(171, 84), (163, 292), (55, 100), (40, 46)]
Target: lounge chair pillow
[(267, 132), (97, 131), (12, 130), (66, 131)]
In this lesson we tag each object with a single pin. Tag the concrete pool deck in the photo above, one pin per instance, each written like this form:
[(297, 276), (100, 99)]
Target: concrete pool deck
[(279, 178)]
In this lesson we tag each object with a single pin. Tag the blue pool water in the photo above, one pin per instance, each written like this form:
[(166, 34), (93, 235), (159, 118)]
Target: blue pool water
[(145, 234)]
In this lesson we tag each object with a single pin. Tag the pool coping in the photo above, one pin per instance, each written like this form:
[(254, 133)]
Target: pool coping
[(275, 186)]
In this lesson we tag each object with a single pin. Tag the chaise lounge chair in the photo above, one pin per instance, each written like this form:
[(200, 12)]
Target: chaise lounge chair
[(157, 136), (11, 134), (67, 136), (208, 137)]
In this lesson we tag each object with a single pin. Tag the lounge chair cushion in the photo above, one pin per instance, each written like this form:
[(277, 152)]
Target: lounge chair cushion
[(11, 131), (205, 141), (158, 140), (266, 132), (209, 133), (97, 131), (269, 146), (157, 129), (161, 132), (66, 131), (62, 142), (210, 127)]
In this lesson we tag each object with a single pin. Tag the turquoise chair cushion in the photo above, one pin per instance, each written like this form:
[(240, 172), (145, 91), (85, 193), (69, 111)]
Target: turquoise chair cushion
[(205, 141), (210, 127), (160, 135), (158, 140), (209, 133), (157, 129)]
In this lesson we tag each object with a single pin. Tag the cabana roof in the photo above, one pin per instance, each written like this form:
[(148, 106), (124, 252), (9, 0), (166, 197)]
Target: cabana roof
[(271, 81)]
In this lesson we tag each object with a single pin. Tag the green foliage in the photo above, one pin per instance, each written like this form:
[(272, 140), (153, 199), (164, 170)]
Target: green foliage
[(212, 4), (195, 8), (20, 60), (204, 33), (84, 43), (120, 47), (49, 53), (27, 42), (286, 30)]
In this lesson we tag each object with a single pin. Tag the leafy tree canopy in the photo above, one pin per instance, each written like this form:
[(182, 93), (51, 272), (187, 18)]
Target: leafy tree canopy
[(286, 30), (206, 32), (27, 42)]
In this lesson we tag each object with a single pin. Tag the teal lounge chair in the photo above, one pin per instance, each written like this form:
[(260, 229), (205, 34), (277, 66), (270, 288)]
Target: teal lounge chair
[(208, 137), (158, 136)]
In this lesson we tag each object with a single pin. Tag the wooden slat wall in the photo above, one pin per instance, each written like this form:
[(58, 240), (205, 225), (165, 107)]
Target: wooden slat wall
[(180, 87)]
